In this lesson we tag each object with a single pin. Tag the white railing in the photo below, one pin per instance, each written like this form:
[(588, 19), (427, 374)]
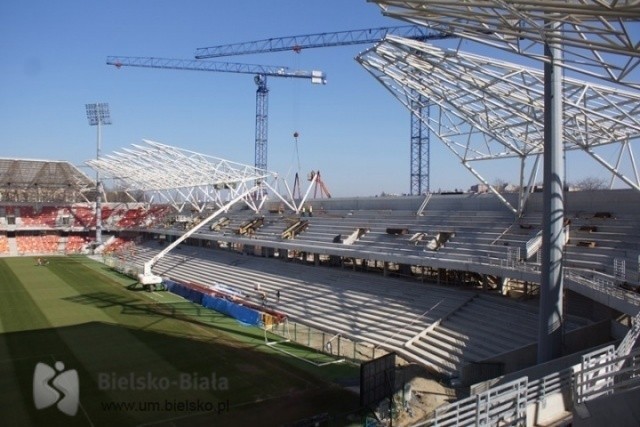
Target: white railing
[(602, 372), (607, 375), (424, 204), (602, 283), (627, 343), (541, 389), (595, 374), (533, 244), (502, 405)]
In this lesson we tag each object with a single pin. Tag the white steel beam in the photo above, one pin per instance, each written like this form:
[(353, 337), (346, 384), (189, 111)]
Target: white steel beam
[(486, 109), (599, 38)]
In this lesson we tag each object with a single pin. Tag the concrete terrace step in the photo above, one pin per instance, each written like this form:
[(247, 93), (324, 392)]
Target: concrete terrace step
[(383, 311), (442, 365), (329, 305), (486, 340), (497, 331), (440, 335)]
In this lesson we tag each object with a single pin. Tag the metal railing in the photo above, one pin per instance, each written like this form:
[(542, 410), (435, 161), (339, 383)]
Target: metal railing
[(502, 405), (603, 372), (331, 343)]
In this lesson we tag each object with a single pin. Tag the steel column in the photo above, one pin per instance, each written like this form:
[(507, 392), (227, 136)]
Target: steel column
[(551, 316)]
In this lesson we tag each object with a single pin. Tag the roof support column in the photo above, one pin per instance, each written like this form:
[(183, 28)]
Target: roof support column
[(551, 316)]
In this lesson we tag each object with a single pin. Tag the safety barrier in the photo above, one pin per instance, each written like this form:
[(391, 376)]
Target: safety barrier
[(603, 372)]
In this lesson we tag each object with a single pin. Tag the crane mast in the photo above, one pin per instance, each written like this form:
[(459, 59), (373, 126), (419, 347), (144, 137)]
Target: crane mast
[(420, 134), (259, 71)]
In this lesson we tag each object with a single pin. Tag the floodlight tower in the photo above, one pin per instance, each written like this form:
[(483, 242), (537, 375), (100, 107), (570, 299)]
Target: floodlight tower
[(98, 115)]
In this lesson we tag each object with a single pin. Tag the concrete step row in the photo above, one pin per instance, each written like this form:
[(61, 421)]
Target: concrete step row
[(370, 320)]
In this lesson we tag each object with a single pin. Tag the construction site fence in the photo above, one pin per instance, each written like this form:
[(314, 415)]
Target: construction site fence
[(120, 265), (333, 344)]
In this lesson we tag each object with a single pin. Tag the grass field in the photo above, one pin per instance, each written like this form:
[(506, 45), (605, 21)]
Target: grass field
[(147, 358)]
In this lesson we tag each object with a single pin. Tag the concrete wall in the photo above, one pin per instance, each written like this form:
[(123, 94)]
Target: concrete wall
[(621, 201), (524, 357), (460, 202), (579, 305), (614, 201)]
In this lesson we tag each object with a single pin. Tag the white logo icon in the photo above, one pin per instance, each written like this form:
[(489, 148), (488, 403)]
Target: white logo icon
[(50, 384)]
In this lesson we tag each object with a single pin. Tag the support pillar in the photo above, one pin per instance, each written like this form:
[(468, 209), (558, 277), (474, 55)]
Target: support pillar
[(551, 318)]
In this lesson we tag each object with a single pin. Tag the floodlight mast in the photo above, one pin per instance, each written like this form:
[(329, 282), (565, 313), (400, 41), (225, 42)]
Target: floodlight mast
[(98, 114), (259, 71)]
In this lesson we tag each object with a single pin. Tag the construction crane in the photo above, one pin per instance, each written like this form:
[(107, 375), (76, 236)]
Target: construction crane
[(260, 72), (309, 41), (420, 136)]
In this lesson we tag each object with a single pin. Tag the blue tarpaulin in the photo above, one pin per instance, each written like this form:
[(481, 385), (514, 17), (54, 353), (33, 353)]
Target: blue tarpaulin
[(221, 305), (242, 313)]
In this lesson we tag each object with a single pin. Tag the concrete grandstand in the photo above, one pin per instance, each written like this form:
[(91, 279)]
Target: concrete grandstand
[(450, 282), (447, 281)]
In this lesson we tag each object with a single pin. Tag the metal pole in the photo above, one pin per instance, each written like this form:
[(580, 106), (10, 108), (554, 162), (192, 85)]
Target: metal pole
[(98, 187), (551, 317)]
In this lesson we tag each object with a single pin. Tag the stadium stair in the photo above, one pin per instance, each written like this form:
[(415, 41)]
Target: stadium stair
[(385, 312)]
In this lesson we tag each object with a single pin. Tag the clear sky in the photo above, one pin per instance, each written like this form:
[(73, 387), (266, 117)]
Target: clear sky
[(352, 130)]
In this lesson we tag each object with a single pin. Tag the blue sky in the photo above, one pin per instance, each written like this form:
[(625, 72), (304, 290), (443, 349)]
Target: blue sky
[(352, 129)]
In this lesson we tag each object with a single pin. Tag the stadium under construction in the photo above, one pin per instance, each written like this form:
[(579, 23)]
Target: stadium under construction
[(527, 299)]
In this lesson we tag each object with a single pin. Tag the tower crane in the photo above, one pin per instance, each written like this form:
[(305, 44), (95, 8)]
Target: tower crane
[(420, 137), (260, 72)]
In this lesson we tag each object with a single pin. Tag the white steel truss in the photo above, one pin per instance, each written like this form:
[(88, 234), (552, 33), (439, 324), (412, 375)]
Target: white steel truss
[(181, 178), (489, 109), (600, 38)]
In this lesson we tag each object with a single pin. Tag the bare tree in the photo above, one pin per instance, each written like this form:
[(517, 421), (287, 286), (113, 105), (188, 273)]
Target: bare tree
[(591, 183), (500, 185)]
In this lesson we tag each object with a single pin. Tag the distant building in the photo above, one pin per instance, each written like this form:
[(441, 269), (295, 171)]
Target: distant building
[(479, 188)]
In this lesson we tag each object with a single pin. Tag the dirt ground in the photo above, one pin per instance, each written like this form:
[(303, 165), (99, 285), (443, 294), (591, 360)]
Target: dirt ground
[(428, 392)]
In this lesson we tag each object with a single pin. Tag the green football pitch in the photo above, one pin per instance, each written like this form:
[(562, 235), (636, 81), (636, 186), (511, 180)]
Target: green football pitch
[(145, 358)]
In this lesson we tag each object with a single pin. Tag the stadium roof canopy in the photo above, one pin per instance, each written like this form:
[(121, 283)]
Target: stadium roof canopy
[(489, 109), (23, 173), (41, 180), (598, 38), (177, 176)]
